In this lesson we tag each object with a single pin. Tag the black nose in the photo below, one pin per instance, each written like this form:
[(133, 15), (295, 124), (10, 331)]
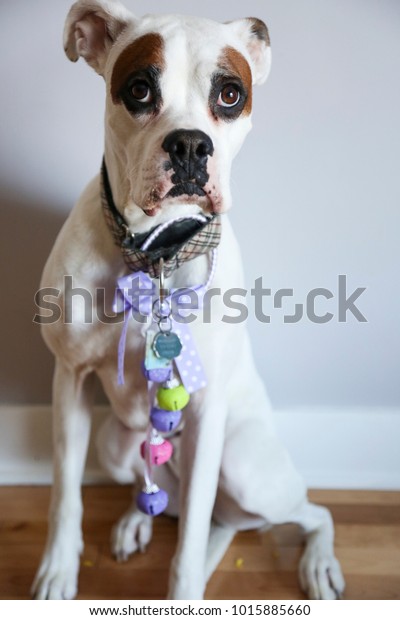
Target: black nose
[(189, 151)]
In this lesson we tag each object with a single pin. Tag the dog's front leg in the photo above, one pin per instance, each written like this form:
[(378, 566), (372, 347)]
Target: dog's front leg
[(57, 576), (201, 453)]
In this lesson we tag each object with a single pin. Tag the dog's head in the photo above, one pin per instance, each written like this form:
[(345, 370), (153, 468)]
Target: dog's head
[(179, 100)]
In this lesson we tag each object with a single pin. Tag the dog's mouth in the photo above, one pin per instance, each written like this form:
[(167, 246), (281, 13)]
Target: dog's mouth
[(187, 191), (186, 188)]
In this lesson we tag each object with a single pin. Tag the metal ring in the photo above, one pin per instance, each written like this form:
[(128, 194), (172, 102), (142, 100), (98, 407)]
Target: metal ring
[(162, 322), (158, 309)]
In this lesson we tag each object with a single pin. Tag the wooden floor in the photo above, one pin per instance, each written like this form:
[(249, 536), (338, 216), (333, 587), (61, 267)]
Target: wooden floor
[(257, 566)]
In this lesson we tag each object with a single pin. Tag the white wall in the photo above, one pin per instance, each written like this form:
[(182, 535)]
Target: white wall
[(316, 188)]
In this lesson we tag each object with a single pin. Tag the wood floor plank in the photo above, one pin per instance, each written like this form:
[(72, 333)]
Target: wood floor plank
[(367, 544), (374, 561), (260, 585), (372, 587), (260, 559), (366, 536), (354, 498), (372, 514)]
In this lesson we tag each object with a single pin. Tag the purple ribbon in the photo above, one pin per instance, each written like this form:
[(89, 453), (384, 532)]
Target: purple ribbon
[(136, 293)]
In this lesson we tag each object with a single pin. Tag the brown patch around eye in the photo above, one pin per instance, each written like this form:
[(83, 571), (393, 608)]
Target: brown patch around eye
[(235, 64), (147, 51)]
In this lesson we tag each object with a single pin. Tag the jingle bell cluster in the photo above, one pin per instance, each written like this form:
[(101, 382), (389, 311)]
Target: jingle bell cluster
[(165, 416)]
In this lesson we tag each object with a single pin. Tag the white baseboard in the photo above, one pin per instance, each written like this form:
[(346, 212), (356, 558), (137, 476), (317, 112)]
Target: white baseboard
[(332, 448)]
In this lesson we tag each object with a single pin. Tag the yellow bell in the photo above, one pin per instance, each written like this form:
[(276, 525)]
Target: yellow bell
[(172, 399)]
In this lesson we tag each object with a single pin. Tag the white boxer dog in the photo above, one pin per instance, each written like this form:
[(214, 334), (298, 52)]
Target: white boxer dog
[(179, 102)]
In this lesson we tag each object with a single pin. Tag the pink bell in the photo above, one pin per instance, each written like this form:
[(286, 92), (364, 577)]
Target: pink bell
[(160, 450)]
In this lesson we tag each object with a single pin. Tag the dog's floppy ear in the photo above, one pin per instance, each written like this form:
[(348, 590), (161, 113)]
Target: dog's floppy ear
[(91, 28), (255, 35)]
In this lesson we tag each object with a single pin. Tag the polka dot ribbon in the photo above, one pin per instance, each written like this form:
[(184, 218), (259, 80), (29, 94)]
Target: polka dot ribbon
[(136, 294)]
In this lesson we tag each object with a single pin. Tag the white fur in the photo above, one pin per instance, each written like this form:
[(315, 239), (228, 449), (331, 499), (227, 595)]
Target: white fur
[(229, 470)]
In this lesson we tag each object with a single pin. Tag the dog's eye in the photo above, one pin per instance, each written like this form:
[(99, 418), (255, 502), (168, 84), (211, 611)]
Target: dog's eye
[(229, 96), (141, 91)]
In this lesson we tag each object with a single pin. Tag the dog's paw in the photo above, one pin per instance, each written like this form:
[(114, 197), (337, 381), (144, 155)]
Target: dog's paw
[(320, 575), (57, 577), (130, 534)]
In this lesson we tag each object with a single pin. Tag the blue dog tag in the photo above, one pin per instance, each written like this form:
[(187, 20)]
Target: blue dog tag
[(167, 345)]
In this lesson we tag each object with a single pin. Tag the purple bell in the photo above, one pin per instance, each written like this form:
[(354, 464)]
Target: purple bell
[(165, 421), (152, 502), (157, 375)]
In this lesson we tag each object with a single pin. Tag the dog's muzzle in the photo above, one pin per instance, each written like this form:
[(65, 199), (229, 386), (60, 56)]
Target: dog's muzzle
[(185, 240), (189, 151)]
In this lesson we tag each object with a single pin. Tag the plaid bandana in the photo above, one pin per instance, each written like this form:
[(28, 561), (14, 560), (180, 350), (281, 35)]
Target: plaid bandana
[(183, 241)]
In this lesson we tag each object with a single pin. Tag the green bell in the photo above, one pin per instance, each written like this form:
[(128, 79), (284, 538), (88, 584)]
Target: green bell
[(172, 398)]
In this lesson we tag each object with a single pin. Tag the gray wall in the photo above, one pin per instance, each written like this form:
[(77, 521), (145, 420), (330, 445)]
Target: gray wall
[(316, 187)]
